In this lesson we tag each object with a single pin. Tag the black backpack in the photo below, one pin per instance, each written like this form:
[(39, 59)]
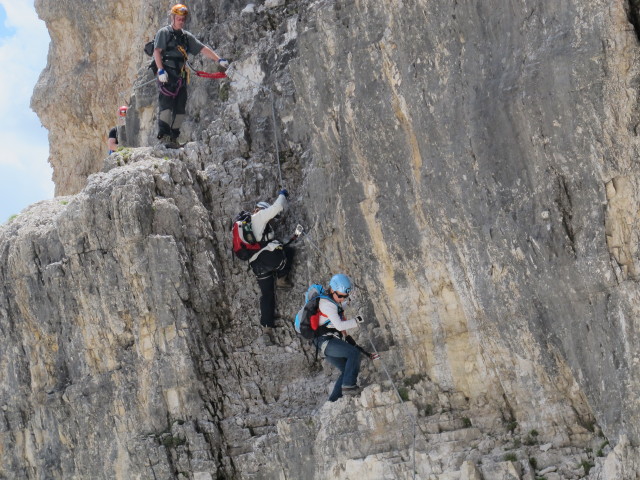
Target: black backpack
[(307, 321), (148, 49)]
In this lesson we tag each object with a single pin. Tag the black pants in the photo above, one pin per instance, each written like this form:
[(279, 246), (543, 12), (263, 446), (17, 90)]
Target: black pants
[(172, 110), (268, 266)]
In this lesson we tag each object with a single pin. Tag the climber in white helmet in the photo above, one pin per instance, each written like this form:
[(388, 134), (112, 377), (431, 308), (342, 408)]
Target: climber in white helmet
[(272, 263)]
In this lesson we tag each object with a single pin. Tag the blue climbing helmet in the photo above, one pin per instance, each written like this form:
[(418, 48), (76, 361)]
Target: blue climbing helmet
[(263, 205), (340, 283)]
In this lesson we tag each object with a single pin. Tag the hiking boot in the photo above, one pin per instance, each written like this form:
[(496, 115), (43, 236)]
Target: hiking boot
[(283, 283), (278, 322), (352, 390), (268, 334)]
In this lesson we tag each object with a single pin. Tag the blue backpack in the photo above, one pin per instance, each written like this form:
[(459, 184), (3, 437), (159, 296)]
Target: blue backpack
[(308, 318)]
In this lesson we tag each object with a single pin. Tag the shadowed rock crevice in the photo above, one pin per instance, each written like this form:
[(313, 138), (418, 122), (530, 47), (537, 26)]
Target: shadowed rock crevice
[(634, 16)]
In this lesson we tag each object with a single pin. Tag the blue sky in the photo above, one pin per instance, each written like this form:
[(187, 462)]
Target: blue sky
[(25, 173)]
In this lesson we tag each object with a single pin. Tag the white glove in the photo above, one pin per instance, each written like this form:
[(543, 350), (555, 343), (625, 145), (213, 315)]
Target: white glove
[(163, 77), (223, 63)]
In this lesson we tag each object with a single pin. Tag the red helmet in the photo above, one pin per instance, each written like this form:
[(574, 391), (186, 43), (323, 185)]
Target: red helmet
[(123, 111)]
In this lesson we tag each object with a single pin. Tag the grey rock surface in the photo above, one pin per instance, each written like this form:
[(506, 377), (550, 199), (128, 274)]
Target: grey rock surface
[(472, 165)]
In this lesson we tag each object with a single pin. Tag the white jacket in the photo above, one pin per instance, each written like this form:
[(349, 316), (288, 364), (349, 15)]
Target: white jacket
[(329, 316), (259, 222)]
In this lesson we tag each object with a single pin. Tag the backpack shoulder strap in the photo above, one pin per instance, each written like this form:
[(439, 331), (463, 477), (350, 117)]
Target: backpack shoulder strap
[(174, 41), (327, 297), (247, 231)]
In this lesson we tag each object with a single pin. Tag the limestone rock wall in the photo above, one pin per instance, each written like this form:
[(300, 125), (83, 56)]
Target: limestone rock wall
[(467, 179), (93, 56), (470, 165)]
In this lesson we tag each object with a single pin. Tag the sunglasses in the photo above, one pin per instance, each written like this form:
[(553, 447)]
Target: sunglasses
[(340, 296)]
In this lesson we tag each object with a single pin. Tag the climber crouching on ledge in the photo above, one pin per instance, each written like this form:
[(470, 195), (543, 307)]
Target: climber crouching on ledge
[(171, 46)]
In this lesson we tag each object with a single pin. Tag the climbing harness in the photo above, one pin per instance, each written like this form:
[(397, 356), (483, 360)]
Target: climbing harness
[(168, 93), (165, 91), (215, 75), (185, 56)]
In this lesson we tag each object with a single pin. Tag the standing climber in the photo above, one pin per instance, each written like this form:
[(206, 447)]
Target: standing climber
[(338, 348), (112, 141), (171, 46), (272, 263)]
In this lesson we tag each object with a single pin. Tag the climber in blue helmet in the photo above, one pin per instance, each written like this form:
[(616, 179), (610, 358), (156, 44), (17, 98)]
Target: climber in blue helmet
[(338, 348), (340, 283)]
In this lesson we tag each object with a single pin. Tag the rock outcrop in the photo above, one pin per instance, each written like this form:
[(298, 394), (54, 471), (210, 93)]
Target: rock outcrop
[(471, 165)]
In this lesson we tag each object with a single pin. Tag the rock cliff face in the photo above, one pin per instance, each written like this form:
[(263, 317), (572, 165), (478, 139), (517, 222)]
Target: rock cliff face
[(472, 165)]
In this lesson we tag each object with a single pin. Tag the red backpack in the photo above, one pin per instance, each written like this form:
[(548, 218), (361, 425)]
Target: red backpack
[(245, 244)]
